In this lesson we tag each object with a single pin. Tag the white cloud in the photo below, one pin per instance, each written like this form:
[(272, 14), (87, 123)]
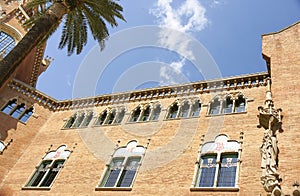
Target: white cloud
[(187, 17), (172, 74)]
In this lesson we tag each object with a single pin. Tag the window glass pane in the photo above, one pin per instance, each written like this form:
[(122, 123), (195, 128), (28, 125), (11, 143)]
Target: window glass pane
[(71, 121), (129, 172), (135, 115), (207, 171), (113, 172), (52, 173), (214, 107), (24, 118), (39, 173), (196, 109), (101, 118), (79, 120), (111, 117), (228, 170), (87, 120), (146, 114), (173, 111), (227, 106), (184, 110), (9, 106), (155, 113), (240, 105), (7, 43), (18, 111), (120, 116)]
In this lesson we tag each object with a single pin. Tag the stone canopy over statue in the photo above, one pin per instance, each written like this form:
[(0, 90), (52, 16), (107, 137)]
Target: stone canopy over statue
[(270, 120)]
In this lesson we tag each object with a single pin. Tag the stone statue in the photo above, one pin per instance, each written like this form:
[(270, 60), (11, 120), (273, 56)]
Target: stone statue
[(269, 159)]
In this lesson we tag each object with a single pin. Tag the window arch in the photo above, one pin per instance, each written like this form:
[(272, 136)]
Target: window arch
[(135, 114), (101, 118), (215, 106), (184, 110), (48, 169), (240, 104), (9, 107), (79, 119), (146, 112), (155, 112), (17, 111), (123, 166), (173, 111), (196, 108), (227, 105), (218, 163), (111, 116), (230, 103), (7, 43)]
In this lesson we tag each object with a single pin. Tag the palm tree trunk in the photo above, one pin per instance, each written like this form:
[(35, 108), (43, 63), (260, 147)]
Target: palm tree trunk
[(11, 62)]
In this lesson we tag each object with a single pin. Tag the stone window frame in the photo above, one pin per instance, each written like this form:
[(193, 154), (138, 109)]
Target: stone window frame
[(220, 100), (218, 147), (52, 157), (152, 116), (125, 153), (4, 146), (107, 120), (13, 105), (191, 102), (80, 119)]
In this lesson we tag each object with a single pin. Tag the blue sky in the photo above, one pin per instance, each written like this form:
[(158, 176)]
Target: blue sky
[(228, 33)]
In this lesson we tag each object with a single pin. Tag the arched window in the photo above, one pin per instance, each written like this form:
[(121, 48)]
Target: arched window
[(87, 119), (71, 121), (155, 112), (196, 108), (145, 113), (49, 168), (215, 107), (18, 111), (111, 116), (120, 115), (79, 120), (240, 104), (9, 107), (101, 118), (123, 166), (218, 164), (184, 110), (26, 115), (227, 106), (135, 114), (7, 43), (173, 110)]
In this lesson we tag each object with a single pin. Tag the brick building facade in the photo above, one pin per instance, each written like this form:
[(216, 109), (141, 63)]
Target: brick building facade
[(198, 138)]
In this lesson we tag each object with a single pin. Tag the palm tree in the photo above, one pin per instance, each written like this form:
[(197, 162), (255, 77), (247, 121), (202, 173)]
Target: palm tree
[(77, 15)]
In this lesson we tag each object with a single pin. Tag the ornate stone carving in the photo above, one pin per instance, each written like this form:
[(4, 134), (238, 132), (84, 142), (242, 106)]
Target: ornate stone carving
[(270, 120)]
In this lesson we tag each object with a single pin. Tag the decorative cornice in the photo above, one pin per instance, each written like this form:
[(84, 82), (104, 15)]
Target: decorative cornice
[(190, 89)]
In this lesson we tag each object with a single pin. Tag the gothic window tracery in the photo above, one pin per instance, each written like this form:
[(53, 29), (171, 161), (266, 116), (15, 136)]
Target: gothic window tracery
[(17, 111), (227, 104), (48, 169), (111, 116), (123, 167), (218, 163), (184, 108), (146, 112)]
